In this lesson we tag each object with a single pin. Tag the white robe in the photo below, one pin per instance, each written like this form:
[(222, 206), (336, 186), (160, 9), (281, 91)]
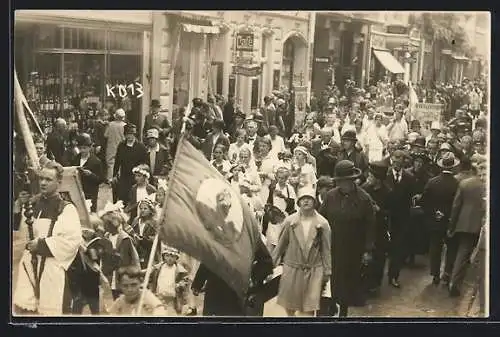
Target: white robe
[(64, 243)]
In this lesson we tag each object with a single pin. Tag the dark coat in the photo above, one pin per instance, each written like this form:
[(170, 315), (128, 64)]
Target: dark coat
[(90, 183), (208, 145), (400, 199), (124, 255), (222, 300), (352, 223), (228, 115), (325, 163), (143, 243), (126, 159), (160, 122), (380, 195), (438, 195), (469, 207), (56, 145)]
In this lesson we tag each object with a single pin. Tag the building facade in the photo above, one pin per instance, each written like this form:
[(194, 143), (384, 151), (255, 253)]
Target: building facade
[(245, 54), (396, 48), (69, 61), (341, 45)]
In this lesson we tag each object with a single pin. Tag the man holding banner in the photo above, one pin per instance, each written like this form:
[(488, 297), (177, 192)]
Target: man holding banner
[(207, 220)]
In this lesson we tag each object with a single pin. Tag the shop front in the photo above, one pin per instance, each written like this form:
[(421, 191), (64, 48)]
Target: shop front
[(68, 69)]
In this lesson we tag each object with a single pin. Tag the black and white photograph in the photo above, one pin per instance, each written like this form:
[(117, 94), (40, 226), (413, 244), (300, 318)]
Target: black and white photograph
[(257, 163)]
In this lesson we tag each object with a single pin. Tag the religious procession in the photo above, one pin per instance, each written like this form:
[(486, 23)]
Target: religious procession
[(220, 210)]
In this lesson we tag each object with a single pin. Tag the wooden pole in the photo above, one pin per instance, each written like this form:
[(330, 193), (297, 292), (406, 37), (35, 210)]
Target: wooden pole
[(162, 217), (23, 124)]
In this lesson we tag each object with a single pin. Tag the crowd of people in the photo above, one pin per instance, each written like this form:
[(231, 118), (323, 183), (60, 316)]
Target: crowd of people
[(350, 188)]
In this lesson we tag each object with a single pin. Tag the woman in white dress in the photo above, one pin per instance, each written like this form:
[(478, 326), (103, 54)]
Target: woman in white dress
[(303, 174), (376, 139)]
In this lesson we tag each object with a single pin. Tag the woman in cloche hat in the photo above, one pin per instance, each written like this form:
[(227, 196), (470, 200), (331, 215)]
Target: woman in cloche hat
[(305, 252), (351, 209)]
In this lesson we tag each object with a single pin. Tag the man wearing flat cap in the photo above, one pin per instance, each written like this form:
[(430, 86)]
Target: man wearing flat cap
[(91, 170), (155, 119), (129, 154), (160, 161)]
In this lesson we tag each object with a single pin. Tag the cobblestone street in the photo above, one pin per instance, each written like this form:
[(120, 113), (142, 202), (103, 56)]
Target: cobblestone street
[(417, 297)]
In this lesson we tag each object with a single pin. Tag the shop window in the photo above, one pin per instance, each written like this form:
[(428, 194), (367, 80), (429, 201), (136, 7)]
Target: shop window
[(254, 102), (276, 79), (83, 87), (47, 37), (44, 88), (216, 77), (125, 71), (182, 74)]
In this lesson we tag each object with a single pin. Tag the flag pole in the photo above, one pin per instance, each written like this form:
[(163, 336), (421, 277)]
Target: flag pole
[(23, 124), (162, 217)]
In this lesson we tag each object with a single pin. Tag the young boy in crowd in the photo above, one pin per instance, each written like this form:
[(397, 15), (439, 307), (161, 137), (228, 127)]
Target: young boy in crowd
[(170, 282)]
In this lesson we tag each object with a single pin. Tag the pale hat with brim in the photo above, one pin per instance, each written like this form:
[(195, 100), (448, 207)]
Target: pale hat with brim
[(448, 160), (306, 192), (153, 133), (345, 169)]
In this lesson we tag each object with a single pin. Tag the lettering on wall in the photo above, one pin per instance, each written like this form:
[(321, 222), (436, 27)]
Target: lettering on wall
[(121, 90)]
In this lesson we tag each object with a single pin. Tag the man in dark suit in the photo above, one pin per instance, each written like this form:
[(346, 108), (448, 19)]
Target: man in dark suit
[(160, 160), (215, 137), (228, 114), (437, 199), (58, 141), (402, 186), (155, 119), (91, 170), (467, 217), (129, 154)]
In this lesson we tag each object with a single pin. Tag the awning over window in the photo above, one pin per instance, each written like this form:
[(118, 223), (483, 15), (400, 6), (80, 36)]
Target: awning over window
[(389, 62), (200, 29)]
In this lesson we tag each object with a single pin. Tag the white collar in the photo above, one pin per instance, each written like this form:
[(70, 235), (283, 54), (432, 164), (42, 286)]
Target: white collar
[(154, 149)]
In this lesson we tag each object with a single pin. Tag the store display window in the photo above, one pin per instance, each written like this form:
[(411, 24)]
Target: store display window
[(72, 69)]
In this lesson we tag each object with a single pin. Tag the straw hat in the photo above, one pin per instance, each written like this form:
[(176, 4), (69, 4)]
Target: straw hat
[(448, 160)]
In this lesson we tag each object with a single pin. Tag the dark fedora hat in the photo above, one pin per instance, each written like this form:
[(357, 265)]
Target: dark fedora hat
[(155, 103), (419, 142), (345, 169), (379, 169), (349, 135)]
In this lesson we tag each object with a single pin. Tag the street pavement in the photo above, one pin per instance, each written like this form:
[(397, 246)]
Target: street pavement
[(416, 298)]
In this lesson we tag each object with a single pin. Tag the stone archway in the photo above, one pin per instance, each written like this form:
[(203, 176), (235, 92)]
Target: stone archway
[(294, 61)]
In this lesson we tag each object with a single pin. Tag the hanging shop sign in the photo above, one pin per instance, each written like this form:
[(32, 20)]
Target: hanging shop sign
[(244, 42), (247, 71)]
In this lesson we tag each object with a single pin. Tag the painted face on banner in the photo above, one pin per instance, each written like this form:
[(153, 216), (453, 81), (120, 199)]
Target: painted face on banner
[(220, 210)]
